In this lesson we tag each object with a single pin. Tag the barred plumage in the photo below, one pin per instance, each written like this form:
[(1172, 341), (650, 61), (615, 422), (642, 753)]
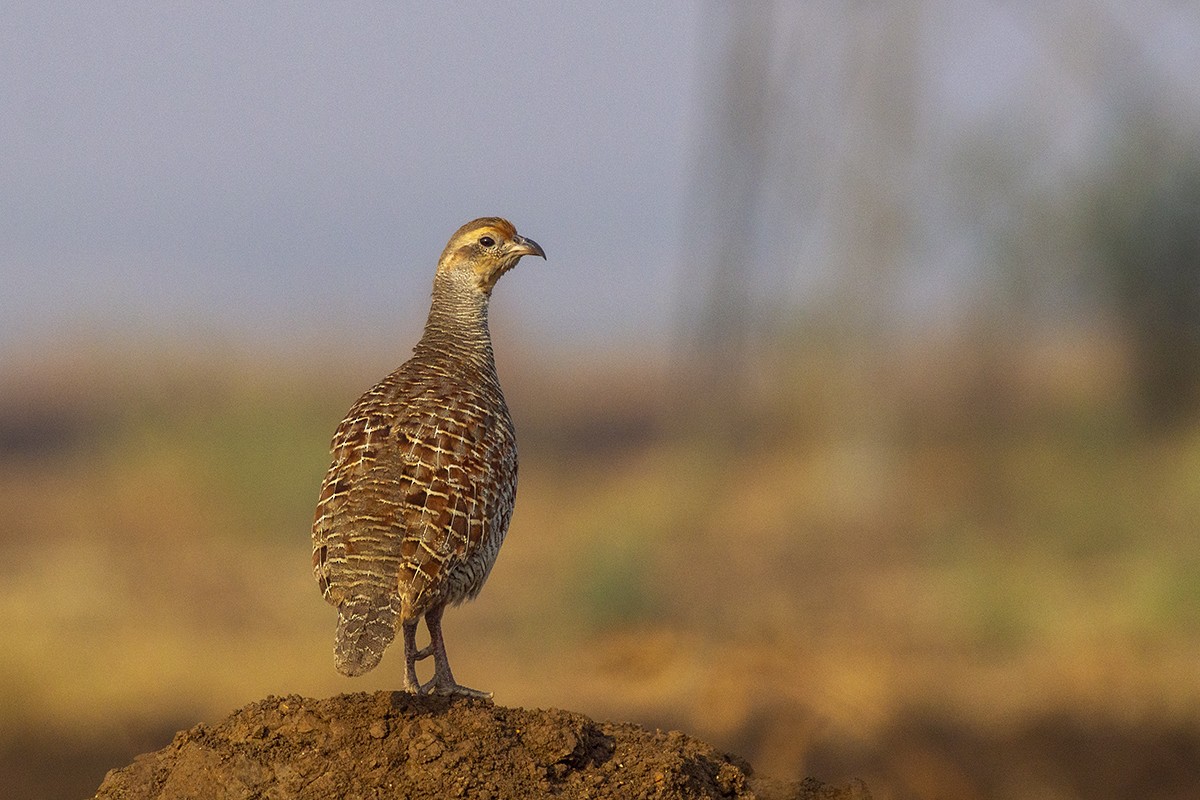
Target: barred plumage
[(418, 498)]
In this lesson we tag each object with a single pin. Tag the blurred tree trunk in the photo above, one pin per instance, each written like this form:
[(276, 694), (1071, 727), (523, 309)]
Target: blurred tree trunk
[(1148, 233), (802, 205), (722, 257)]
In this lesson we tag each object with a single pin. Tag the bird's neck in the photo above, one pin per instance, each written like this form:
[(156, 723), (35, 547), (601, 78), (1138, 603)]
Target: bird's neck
[(457, 328)]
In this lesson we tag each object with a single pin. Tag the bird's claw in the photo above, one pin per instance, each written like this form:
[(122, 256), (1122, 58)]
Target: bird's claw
[(451, 689)]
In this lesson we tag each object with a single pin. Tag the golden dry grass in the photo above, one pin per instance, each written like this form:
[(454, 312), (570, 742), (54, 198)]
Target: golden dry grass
[(799, 594)]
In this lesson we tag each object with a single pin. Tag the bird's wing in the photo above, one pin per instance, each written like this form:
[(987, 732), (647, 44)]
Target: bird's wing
[(442, 481), (355, 552), (417, 485)]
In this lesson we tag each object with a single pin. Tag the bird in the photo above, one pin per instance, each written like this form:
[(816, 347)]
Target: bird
[(417, 500)]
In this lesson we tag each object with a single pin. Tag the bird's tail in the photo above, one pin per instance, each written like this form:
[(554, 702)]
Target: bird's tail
[(366, 626)]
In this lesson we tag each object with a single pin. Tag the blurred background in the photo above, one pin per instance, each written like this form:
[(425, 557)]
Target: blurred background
[(857, 401)]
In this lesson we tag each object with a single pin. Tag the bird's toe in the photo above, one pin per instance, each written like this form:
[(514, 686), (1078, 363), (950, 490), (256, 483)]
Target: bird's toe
[(452, 689)]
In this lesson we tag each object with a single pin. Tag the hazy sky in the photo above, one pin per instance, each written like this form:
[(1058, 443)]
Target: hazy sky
[(274, 173), (274, 168)]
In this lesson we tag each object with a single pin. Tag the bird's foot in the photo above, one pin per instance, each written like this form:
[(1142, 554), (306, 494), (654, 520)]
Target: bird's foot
[(452, 689)]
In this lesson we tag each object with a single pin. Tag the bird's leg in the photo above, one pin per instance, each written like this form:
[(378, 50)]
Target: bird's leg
[(411, 655), (443, 679)]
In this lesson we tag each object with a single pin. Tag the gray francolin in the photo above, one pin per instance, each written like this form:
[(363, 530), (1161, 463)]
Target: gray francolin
[(418, 498)]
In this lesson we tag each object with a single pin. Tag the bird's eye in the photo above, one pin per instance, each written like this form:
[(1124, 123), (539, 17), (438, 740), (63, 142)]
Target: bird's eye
[(487, 241)]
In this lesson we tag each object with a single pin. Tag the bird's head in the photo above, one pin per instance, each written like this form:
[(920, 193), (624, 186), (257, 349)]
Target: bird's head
[(485, 249)]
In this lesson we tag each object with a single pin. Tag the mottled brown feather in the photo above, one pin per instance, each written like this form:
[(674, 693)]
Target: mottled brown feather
[(420, 491)]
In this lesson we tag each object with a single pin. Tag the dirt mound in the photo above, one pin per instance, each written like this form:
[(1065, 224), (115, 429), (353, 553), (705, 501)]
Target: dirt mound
[(396, 745)]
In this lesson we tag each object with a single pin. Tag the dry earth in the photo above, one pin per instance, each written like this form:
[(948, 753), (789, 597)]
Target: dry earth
[(396, 745)]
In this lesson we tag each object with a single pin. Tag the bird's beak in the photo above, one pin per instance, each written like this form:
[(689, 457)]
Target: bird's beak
[(527, 247)]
